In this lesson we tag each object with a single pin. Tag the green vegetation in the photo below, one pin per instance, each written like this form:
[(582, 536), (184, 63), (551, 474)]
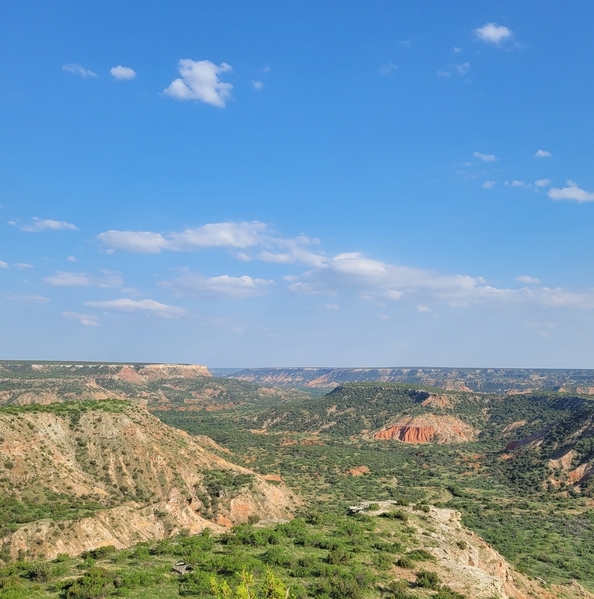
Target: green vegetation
[(544, 530), (318, 555), (70, 408)]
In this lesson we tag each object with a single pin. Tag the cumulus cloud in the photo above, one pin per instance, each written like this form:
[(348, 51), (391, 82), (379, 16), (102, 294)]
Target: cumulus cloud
[(147, 306), (231, 235), (3, 264), (373, 279), (542, 154), (107, 280), (223, 286), (444, 74), (40, 224), (516, 183), (84, 319), (493, 33), (571, 193), (485, 157), (122, 73), (71, 259), (200, 80), (488, 184), (542, 182), (258, 85), (463, 68), (77, 69), (23, 265), (527, 280)]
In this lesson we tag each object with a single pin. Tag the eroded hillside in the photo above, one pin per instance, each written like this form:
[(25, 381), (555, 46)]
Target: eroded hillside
[(98, 473)]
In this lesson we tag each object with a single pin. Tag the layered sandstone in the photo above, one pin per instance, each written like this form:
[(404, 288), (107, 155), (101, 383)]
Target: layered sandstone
[(427, 428)]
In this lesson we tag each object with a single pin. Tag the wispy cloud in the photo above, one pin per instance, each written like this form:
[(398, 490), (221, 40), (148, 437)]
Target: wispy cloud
[(542, 154), (85, 319), (258, 85), (77, 69), (147, 306), (387, 68), (488, 184), (542, 182), (200, 80), (444, 74), (527, 280), (40, 224), (122, 73), (223, 286), (231, 235), (493, 33), (572, 193), (485, 157), (107, 280), (463, 68), (23, 265), (3, 264)]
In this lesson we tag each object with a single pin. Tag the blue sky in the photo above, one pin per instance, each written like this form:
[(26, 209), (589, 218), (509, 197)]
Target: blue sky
[(297, 183)]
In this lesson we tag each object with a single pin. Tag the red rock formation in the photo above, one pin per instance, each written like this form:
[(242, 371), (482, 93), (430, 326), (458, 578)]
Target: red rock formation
[(427, 428)]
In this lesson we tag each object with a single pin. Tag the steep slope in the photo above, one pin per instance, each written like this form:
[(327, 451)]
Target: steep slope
[(426, 428), (124, 476)]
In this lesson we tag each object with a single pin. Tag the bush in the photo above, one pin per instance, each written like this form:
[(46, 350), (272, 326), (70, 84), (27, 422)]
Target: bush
[(428, 580)]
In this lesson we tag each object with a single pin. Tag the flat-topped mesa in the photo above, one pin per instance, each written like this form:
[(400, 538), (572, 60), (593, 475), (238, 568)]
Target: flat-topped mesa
[(156, 372), (428, 428)]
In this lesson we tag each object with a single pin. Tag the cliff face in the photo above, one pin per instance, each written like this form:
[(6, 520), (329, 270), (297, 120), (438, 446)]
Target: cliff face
[(427, 428), (148, 480)]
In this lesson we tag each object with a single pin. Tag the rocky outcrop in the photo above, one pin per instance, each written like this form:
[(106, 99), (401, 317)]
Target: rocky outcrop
[(465, 562), (428, 428)]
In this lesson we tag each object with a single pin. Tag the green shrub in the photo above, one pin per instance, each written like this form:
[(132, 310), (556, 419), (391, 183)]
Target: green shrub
[(428, 580)]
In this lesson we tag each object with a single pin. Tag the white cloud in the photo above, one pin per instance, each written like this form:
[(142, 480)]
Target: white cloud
[(200, 81), (85, 319), (258, 85), (572, 193), (489, 184), (527, 280), (108, 280), (3, 264), (223, 286), (78, 69), (485, 157), (40, 224), (456, 50), (147, 306), (493, 33), (542, 154), (122, 73), (71, 259), (463, 68), (444, 74), (383, 317), (387, 68), (542, 182), (231, 235), (23, 265), (393, 294), (516, 183), (424, 309), (332, 307)]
